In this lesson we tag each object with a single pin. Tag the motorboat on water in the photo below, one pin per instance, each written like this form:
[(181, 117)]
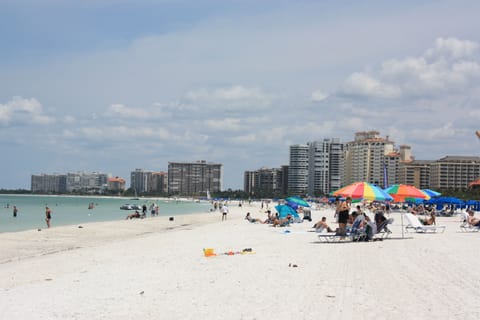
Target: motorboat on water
[(131, 207)]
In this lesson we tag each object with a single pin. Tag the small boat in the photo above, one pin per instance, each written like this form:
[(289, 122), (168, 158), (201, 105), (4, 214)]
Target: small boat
[(130, 207)]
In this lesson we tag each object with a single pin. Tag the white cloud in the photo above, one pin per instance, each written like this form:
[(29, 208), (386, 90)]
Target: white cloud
[(318, 96), (23, 110), (452, 48), (451, 67), (364, 85), (153, 112), (236, 97)]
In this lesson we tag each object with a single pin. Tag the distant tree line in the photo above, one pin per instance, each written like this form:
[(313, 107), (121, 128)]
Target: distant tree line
[(466, 194)]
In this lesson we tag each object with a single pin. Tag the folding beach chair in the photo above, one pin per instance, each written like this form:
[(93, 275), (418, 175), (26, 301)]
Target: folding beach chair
[(334, 237), (383, 231), (414, 223), (354, 233)]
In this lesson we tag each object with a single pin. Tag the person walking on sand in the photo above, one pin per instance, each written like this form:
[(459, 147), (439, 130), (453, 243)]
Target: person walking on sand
[(15, 211), (48, 216), (224, 212)]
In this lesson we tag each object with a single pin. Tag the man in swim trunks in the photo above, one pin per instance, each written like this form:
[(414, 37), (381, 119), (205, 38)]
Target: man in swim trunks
[(343, 212)]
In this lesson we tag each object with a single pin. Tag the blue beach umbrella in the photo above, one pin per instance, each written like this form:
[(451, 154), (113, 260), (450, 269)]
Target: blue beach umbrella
[(298, 201), (284, 210)]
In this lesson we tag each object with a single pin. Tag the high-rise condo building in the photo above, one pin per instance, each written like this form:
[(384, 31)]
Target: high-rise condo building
[(264, 180), (298, 169), (454, 172), (49, 183), (194, 178), (415, 173), (366, 158), (325, 166)]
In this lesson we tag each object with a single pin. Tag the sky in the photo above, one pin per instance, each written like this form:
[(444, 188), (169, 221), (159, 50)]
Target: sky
[(114, 85)]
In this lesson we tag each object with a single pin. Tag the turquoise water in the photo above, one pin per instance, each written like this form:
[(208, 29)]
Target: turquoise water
[(70, 210)]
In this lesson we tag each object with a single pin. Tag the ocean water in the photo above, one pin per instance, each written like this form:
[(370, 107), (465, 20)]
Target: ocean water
[(71, 210)]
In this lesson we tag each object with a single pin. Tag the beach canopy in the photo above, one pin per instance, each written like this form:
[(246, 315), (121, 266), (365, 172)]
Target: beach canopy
[(295, 202), (446, 200), (284, 210), (363, 191), (400, 192)]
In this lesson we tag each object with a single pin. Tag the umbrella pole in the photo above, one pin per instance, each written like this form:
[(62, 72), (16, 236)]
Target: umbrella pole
[(401, 215)]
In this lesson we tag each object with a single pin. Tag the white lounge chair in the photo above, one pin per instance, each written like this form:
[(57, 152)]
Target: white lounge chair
[(414, 223)]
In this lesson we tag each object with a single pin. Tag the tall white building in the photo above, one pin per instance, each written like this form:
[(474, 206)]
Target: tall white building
[(366, 158), (298, 169), (87, 181), (325, 170)]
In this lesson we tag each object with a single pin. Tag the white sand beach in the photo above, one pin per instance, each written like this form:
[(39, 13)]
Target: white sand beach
[(155, 269)]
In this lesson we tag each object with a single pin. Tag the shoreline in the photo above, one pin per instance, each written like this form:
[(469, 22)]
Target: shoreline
[(30, 242)]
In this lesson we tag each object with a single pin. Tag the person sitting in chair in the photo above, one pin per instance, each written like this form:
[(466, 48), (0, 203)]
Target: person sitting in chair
[(322, 225), (475, 222), (282, 222), (429, 221)]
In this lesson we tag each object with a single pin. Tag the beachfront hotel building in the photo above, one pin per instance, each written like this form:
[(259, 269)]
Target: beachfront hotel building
[(145, 181), (116, 184), (298, 169), (454, 172), (93, 182), (415, 173), (268, 180), (325, 166), (365, 159), (374, 159), (194, 178), (48, 183)]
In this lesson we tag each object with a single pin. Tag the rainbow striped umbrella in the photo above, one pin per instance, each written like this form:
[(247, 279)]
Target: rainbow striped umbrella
[(363, 191), (431, 193), (400, 192)]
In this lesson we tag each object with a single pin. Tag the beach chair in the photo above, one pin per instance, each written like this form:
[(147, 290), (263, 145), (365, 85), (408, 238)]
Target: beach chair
[(384, 231), (467, 227), (415, 224), (334, 237), (354, 233)]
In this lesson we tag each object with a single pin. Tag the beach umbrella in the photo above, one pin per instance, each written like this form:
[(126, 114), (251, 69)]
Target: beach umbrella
[(400, 192), (284, 210), (296, 201), (431, 193), (363, 191)]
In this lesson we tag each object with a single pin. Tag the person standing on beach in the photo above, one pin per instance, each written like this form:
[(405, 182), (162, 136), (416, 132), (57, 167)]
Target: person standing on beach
[(48, 216), (343, 212), (15, 211), (224, 212)]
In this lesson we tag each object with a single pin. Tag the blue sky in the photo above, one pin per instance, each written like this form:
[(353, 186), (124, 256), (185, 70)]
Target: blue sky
[(112, 86)]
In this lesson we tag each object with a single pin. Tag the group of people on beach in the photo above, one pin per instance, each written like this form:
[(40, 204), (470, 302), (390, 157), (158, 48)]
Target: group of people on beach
[(347, 219), (153, 208), (272, 219)]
